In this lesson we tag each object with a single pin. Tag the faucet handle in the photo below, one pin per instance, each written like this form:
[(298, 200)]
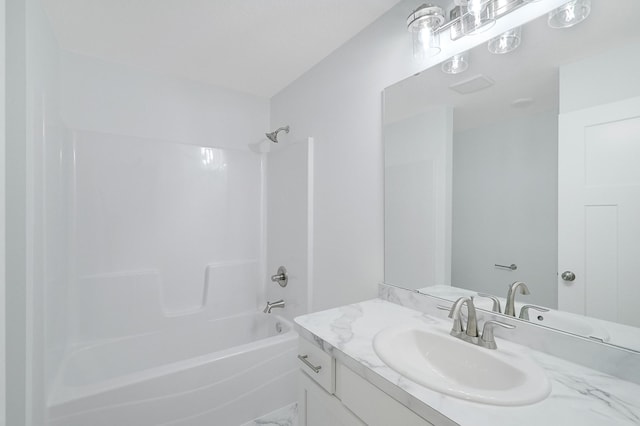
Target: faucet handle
[(524, 311), (488, 340), (454, 312), (496, 302)]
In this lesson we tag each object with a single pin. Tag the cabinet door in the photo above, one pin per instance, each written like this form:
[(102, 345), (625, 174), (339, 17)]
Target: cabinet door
[(316, 407)]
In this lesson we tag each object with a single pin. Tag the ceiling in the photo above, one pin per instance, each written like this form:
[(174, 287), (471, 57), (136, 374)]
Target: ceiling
[(253, 46), (531, 71)]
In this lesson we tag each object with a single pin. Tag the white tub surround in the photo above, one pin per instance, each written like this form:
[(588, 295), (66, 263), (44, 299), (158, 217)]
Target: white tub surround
[(579, 395)]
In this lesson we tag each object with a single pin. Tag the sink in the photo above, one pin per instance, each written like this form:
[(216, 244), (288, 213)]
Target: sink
[(433, 358)]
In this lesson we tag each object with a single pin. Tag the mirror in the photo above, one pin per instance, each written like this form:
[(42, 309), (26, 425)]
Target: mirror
[(525, 168)]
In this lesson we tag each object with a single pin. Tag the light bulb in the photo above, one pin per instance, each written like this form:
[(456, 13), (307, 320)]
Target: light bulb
[(569, 14), (456, 64), (505, 42)]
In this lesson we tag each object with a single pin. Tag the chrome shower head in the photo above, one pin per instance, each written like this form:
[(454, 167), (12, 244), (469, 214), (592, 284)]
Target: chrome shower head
[(273, 136)]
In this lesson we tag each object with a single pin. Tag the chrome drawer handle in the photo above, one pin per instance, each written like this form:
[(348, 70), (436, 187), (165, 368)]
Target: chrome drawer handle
[(304, 359)]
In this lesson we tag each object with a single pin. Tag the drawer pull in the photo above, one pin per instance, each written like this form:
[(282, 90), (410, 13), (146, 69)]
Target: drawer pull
[(303, 358)]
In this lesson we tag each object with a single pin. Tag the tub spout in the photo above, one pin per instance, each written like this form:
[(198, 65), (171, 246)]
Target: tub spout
[(272, 305)]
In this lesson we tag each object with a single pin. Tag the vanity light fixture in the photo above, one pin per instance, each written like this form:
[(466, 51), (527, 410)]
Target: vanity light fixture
[(569, 14), (456, 64), (469, 17), (478, 16), (476, 7), (505, 42), (423, 24)]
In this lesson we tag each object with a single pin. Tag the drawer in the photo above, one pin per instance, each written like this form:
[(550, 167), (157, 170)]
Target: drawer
[(318, 365)]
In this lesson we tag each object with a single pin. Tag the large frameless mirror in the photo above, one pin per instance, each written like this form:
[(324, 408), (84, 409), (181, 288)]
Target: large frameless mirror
[(523, 166)]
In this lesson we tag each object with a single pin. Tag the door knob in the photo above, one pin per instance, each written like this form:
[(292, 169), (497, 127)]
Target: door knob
[(568, 276)]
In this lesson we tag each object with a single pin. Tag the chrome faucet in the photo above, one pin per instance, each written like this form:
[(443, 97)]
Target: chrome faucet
[(487, 339), (273, 305), (471, 331), (510, 309)]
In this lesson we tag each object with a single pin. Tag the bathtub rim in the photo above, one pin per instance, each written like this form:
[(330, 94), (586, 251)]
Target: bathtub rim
[(61, 394)]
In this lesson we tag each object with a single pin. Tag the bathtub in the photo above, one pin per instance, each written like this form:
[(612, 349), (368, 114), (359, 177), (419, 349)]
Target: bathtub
[(215, 373)]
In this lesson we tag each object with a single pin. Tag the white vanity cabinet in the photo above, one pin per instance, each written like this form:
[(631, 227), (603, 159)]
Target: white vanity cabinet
[(335, 395)]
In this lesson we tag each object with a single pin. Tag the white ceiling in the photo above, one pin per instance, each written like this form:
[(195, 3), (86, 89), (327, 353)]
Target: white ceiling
[(253, 46)]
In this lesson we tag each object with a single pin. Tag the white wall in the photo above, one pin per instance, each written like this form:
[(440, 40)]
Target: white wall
[(15, 211), (600, 79), (110, 98), (338, 102), (32, 101), (417, 207), (3, 321), (505, 192)]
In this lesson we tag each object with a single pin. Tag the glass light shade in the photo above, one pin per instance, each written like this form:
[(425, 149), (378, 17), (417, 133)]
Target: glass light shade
[(473, 23), (569, 14), (476, 7), (426, 43), (506, 42), (423, 23), (456, 64)]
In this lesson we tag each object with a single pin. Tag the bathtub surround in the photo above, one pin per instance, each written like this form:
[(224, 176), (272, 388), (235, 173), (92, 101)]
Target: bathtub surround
[(170, 235), (154, 222), (579, 395)]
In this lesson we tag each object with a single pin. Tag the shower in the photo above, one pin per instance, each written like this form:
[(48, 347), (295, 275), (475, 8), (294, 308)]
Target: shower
[(273, 136)]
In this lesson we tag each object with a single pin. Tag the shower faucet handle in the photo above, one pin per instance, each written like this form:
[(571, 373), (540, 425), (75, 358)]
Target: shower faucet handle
[(282, 277)]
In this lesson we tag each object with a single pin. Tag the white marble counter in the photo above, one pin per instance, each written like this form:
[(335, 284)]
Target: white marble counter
[(579, 396)]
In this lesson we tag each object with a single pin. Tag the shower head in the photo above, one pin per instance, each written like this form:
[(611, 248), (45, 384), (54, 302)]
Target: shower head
[(273, 136)]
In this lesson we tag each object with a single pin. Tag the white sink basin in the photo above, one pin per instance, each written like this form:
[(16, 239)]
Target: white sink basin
[(433, 358)]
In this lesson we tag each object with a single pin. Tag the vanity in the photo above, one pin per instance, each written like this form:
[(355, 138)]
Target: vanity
[(343, 381)]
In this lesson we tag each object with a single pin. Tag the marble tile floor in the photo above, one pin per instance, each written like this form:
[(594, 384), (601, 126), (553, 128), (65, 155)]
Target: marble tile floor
[(285, 416)]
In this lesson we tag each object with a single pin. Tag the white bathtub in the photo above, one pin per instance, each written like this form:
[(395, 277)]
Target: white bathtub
[(214, 373)]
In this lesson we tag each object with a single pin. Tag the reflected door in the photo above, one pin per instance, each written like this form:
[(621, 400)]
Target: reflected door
[(599, 211)]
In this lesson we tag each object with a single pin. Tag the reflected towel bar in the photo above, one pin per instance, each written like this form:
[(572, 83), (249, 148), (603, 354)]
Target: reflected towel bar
[(511, 267)]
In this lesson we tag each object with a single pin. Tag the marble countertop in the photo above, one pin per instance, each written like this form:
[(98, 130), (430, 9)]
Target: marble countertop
[(579, 395)]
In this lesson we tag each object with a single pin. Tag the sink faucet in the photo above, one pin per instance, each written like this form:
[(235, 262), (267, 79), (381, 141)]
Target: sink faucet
[(472, 323), (524, 311), (272, 305), (510, 309), (487, 339)]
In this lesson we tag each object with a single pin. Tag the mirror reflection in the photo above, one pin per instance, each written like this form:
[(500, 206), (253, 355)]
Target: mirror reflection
[(524, 167)]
